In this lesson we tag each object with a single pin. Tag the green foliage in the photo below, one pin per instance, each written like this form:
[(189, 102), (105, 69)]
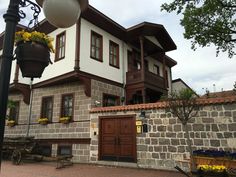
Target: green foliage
[(11, 104), (208, 22)]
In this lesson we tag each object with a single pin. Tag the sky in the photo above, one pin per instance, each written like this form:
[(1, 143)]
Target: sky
[(200, 69)]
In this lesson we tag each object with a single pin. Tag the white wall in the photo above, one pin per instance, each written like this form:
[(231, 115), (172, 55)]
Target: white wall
[(87, 64), (65, 65), (154, 40), (177, 86), (102, 69)]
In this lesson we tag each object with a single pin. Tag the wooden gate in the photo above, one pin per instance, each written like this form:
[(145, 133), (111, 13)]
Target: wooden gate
[(118, 139)]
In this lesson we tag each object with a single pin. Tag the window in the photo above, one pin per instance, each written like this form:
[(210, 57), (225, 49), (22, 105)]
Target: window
[(64, 150), (114, 54), (96, 46), (67, 106), (146, 65), (45, 150), (60, 46), (47, 108), (14, 111), (110, 100), (156, 69)]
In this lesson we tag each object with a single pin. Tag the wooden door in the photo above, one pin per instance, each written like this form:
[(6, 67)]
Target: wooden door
[(118, 139)]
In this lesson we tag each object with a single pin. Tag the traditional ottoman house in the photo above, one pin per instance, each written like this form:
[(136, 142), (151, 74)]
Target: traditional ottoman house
[(97, 63)]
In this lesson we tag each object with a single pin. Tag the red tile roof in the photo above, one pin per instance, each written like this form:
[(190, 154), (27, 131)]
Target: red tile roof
[(227, 93), (161, 104)]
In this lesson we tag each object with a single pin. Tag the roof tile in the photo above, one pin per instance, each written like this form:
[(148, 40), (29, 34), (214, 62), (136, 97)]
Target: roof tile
[(162, 104)]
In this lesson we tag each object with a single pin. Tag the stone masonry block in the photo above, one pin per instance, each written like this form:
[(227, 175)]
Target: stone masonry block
[(163, 141), (175, 142), (198, 127), (215, 143), (232, 127), (177, 128), (214, 127), (198, 142)]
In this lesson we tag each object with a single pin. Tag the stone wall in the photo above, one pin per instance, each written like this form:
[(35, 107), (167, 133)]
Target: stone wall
[(99, 88), (78, 129), (164, 146)]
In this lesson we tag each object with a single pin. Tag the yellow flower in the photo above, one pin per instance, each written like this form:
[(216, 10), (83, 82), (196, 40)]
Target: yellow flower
[(35, 36), (215, 168), (40, 120), (10, 121), (62, 119), (26, 36)]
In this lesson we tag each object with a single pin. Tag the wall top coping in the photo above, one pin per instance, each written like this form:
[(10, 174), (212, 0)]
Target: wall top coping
[(162, 104)]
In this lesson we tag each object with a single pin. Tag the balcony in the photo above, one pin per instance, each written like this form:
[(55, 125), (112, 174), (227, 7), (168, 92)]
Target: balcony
[(151, 79)]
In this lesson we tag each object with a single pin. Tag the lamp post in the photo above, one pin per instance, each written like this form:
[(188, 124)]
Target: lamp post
[(12, 17)]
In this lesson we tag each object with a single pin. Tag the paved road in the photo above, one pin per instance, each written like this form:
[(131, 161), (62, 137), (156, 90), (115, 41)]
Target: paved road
[(77, 170)]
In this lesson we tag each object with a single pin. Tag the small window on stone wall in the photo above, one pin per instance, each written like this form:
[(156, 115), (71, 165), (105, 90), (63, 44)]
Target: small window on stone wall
[(67, 106), (46, 150), (64, 150), (110, 100)]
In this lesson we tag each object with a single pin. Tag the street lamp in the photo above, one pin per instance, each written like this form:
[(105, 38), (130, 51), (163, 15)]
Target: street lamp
[(12, 17), (58, 15)]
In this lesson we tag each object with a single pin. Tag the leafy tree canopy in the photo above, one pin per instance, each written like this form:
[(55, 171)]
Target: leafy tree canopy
[(208, 22)]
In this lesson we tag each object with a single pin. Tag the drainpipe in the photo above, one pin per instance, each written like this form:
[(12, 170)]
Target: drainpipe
[(124, 71), (30, 108), (164, 71), (142, 67), (171, 87), (16, 78)]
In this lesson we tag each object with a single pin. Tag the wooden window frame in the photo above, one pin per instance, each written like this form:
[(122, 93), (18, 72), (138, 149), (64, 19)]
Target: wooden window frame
[(112, 47), (63, 146), (62, 105), (42, 107), (58, 47), (156, 69), (98, 36), (17, 105), (110, 95)]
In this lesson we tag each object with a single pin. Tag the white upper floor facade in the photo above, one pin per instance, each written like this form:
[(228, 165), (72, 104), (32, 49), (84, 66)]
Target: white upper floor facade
[(98, 46)]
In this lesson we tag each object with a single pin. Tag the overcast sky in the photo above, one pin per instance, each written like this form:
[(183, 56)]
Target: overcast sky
[(199, 69)]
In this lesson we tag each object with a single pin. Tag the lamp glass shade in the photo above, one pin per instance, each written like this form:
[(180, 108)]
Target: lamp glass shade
[(61, 13)]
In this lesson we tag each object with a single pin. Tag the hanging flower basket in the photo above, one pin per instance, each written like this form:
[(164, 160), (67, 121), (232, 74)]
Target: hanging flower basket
[(43, 121), (33, 52)]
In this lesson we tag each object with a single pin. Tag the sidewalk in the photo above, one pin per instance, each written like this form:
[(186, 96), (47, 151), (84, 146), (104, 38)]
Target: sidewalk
[(78, 170)]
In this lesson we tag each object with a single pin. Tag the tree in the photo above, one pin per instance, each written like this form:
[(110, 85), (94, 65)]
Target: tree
[(183, 105), (208, 22)]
